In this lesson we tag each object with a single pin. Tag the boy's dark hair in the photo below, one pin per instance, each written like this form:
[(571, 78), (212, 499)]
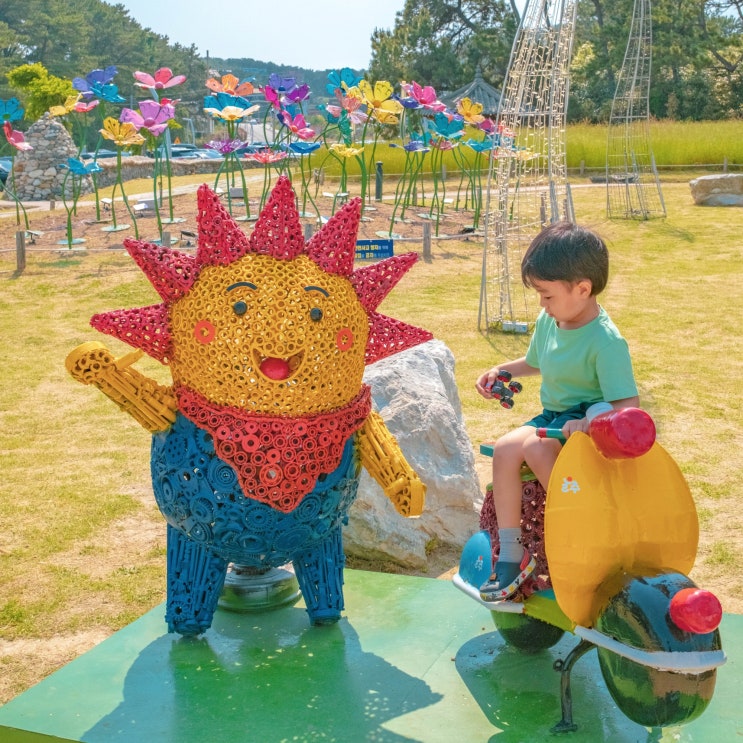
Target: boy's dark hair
[(566, 252)]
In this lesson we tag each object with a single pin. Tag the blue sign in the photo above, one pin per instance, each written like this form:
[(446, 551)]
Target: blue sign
[(373, 250)]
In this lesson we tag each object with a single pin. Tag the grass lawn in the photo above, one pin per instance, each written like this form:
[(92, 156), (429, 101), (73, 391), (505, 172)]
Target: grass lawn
[(81, 540)]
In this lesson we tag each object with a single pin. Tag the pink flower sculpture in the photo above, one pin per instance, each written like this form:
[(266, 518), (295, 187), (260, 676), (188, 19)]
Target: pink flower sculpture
[(15, 137), (163, 78), (84, 107), (350, 104), (152, 116), (426, 96), (266, 156), (296, 125)]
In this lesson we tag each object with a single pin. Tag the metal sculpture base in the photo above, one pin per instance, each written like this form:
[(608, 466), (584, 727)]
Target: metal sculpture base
[(248, 589)]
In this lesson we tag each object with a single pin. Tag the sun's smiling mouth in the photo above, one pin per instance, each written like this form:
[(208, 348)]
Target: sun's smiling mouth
[(276, 368)]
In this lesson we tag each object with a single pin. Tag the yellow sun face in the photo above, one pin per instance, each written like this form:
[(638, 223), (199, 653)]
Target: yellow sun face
[(270, 336)]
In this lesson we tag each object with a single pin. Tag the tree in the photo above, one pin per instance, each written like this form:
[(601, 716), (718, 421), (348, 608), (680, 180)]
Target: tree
[(696, 57), (38, 89), (71, 39), (442, 42)]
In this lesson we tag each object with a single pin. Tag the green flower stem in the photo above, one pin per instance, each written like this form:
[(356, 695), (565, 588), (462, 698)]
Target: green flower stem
[(12, 192), (120, 183), (155, 173)]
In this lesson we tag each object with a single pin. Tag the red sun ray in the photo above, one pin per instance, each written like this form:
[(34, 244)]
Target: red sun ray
[(333, 248), (278, 231), (145, 327), (171, 272), (388, 336), (373, 283), (221, 241)]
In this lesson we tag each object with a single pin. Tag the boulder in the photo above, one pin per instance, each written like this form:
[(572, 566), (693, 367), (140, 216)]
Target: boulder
[(415, 392), (718, 190)]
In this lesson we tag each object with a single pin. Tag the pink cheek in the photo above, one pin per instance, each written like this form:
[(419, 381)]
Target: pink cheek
[(344, 339), (204, 331)]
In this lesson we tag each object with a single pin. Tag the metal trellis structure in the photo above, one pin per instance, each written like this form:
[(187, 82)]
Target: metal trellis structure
[(527, 181), (632, 185)]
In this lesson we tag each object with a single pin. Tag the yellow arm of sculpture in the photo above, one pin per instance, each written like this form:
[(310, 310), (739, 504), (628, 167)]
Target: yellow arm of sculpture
[(152, 405), (385, 462)]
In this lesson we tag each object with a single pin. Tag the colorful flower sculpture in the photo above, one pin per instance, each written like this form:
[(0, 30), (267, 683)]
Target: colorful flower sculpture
[(231, 109), (152, 117), (258, 444), (11, 110), (122, 134), (97, 90), (161, 80), (99, 84), (16, 138), (382, 106), (155, 116), (230, 85), (78, 170)]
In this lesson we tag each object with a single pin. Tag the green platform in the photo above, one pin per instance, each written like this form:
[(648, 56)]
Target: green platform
[(413, 659)]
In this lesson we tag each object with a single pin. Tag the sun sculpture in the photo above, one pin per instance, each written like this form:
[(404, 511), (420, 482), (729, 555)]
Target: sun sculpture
[(258, 444)]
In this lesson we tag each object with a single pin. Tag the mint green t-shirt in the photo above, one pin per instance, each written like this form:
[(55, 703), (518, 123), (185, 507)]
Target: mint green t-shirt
[(584, 365)]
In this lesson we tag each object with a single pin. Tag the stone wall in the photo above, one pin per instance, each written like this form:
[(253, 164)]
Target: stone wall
[(37, 173)]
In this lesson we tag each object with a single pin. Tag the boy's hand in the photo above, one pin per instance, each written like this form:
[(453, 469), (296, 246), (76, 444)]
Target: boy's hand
[(485, 382), (581, 424)]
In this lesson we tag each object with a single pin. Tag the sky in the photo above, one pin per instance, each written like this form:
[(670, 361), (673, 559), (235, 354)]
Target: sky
[(314, 34)]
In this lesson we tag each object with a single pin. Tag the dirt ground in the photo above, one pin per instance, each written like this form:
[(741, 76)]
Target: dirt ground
[(96, 228)]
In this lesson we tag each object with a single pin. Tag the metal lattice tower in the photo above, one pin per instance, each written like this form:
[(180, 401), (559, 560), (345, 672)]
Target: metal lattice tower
[(527, 182), (632, 185)]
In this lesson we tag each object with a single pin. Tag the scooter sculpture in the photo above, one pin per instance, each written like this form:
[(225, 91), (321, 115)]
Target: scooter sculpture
[(617, 541)]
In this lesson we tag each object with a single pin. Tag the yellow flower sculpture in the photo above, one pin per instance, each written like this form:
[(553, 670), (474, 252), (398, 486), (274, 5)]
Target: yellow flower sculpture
[(67, 107), (470, 111), (231, 113), (122, 134), (381, 106), (340, 149)]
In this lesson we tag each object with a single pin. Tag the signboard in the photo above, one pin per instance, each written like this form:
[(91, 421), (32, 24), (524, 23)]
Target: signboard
[(374, 250)]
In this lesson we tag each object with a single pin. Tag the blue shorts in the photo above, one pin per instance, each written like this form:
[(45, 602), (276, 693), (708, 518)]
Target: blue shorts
[(553, 419)]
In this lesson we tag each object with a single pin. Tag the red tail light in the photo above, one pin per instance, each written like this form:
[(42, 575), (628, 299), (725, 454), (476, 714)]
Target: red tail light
[(695, 610)]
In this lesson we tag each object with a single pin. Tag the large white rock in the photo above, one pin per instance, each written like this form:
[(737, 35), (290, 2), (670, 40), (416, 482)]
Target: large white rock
[(416, 394), (718, 190)]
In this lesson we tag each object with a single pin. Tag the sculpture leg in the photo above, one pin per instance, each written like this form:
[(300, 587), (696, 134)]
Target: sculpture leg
[(195, 579), (320, 574)]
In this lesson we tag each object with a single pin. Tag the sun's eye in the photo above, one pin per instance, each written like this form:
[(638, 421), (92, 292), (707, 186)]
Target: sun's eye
[(240, 308), (316, 314)]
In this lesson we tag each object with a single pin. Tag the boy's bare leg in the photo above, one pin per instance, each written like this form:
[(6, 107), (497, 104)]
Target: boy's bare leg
[(541, 455), (515, 564), (508, 456)]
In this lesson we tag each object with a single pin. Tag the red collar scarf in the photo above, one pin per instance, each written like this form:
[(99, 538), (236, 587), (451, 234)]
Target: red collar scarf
[(277, 459)]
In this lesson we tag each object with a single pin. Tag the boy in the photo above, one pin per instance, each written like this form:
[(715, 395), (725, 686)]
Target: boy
[(583, 360)]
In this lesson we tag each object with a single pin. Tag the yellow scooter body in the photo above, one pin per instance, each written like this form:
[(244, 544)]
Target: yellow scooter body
[(607, 517)]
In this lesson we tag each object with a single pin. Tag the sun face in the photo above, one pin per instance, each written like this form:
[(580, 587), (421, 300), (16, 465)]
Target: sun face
[(270, 336), (267, 323)]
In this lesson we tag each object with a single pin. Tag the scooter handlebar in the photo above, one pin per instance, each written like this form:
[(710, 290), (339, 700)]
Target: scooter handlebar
[(624, 433)]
